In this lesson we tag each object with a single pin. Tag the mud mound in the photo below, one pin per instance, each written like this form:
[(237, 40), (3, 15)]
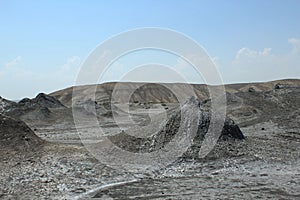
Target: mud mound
[(230, 131), (47, 101), (27, 109), (280, 105), (5, 104), (175, 123), (41, 100), (16, 135), (37, 108)]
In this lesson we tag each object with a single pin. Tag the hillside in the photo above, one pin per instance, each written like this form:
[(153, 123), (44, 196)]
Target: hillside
[(16, 135), (152, 92)]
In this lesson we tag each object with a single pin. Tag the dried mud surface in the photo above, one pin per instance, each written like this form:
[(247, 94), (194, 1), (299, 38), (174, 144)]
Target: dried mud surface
[(265, 165)]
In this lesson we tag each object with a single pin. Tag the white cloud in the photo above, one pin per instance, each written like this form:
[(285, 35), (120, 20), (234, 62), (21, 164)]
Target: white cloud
[(14, 69), (294, 41), (18, 81), (250, 54), (248, 65), (15, 62), (262, 65), (72, 62), (295, 45)]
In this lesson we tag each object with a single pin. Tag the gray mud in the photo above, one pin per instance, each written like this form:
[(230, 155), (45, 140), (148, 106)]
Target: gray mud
[(265, 165)]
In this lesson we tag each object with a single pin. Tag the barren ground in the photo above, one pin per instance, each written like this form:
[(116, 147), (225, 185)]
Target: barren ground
[(264, 165)]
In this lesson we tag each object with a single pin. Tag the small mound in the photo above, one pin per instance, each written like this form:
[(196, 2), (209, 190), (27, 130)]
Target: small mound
[(16, 135), (177, 122), (38, 108), (47, 101), (5, 104), (41, 100)]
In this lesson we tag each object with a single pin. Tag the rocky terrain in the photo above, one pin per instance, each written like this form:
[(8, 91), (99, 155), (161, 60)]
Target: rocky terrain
[(257, 155)]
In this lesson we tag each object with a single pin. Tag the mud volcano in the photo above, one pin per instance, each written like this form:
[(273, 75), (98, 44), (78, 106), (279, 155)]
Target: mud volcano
[(16, 135), (230, 131)]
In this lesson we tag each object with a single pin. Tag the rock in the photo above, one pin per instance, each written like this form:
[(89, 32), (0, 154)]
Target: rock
[(251, 89), (231, 130), (264, 174), (79, 190), (280, 86)]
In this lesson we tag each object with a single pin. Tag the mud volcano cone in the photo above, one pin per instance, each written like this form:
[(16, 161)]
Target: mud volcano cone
[(178, 123), (16, 135)]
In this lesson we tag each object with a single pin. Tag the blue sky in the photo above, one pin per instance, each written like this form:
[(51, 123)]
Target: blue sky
[(43, 43)]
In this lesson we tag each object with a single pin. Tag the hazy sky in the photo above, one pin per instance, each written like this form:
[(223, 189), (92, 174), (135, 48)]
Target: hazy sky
[(43, 43)]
